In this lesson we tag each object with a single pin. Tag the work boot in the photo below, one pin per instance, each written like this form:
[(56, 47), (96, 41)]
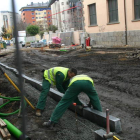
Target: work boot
[(49, 124), (38, 113)]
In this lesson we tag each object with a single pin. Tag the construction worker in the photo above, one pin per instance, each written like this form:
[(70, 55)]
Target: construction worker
[(58, 76), (78, 84)]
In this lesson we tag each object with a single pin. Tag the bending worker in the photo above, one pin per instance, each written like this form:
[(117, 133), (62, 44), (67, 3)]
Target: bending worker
[(79, 83), (58, 76)]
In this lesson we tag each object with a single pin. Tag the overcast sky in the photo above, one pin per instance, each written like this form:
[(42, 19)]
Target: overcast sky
[(5, 5)]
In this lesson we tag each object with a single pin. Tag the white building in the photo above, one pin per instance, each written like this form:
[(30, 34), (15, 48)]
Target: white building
[(6, 19), (66, 14), (61, 17)]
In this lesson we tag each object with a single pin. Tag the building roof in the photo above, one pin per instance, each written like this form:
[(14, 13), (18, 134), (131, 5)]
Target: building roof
[(52, 1), (7, 12), (35, 5), (74, 1)]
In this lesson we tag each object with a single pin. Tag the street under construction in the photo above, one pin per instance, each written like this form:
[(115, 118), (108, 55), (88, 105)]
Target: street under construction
[(115, 72), (111, 112)]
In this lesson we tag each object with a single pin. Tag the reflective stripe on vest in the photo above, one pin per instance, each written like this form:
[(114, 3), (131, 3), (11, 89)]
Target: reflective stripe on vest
[(50, 74), (81, 77)]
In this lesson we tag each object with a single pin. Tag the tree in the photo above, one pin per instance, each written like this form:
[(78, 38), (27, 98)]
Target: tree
[(52, 28), (41, 34), (32, 30), (7, 33), (21, 25)]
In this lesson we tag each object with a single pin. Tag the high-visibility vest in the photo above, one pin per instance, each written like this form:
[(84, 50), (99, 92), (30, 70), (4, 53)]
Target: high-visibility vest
[(50, 74), (80, 77)]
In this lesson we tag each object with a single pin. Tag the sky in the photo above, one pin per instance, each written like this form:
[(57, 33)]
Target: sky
[(6, 4)]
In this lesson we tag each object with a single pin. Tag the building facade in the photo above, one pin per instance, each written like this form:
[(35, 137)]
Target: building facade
[(36, 13), (113, 22), (56, 16), (66, 14), (6, 19), (60, 15)]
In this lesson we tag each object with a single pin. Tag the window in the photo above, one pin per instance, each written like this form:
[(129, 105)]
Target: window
[(67, 3), (48, 12), (36, 13), (113, 10), (44, 12), (137, 9), (92, 14), (67, 12), (36, 17), (32, 17), (33, 21), (39, 17), (32, 13), (62, 3)]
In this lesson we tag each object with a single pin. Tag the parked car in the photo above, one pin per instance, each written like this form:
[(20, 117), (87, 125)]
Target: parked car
[(7, 42), (41, 40), (23, 43)]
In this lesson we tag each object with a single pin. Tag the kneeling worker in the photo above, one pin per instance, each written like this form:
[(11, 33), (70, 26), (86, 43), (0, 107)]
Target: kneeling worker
[(58, 76), (79, 83)]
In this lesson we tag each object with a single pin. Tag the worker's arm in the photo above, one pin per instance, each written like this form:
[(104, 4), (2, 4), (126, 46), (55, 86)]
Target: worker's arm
[(59, 81), (65, 84)]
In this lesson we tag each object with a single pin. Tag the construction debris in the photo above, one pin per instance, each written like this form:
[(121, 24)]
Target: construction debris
[(3, 130), (135, 54)]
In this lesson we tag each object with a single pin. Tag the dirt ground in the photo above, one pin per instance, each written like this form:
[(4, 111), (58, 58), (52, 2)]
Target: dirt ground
[(115, 74)]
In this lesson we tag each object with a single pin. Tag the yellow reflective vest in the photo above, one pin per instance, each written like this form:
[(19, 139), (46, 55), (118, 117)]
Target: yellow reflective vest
[(50, 74), (80, 77)]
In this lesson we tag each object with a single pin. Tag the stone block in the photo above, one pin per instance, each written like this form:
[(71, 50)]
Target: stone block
[(128, 33), (136, 39), (110, 34), (106, 34), (55, 95), (118, 38), (35, 83), (99, 135), (132, 33), (137, 44), (138, 32), (113, 39), (100, 118)]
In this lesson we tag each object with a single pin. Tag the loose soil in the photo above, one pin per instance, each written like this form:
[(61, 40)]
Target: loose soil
[(116, 78)]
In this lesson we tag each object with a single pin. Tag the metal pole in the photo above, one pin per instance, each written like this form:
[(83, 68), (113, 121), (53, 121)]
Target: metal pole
[(19, 70), (126, 41), (107, 122)]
